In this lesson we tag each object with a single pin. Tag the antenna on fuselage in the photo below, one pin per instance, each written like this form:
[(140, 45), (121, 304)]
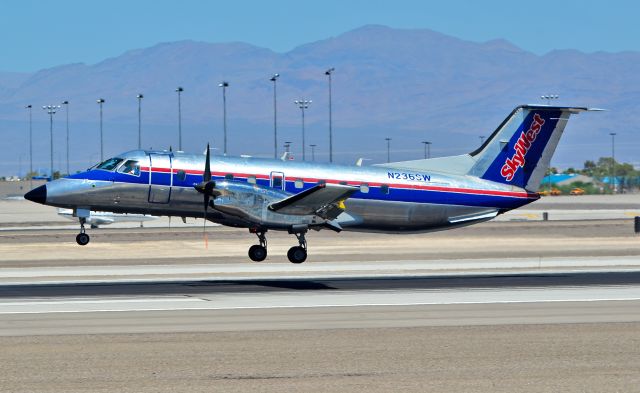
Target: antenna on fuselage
[(361, 159)]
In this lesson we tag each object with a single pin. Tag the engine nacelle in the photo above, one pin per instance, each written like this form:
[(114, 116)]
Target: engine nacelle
[(251, 202)]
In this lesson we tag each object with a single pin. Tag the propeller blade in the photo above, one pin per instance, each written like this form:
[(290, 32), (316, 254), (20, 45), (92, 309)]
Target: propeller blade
[(206, 176)]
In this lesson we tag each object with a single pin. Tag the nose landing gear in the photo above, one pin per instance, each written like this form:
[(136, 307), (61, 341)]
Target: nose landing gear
[(258, 252), (82, 238), (298, 254)]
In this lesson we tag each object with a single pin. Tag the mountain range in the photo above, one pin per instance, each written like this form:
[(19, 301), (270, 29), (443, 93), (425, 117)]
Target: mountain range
[(410, 85)]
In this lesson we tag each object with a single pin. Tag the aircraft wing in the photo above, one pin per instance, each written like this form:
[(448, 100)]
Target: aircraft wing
[(324, 200)]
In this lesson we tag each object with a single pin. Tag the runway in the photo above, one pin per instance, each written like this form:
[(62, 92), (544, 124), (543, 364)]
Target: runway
[(510, 332), (326, 303)]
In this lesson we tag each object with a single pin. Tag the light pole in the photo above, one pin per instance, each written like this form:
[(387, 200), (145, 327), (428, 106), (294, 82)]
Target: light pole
[(139, 97), (66, 107), (273, 79), (30, 107), (303, 104), (388, 149), (427, 149), (224, 86), (613, 162), (100, 101), (313, 152), (328, 73), (51, 110), (179, 90), (549, 97)]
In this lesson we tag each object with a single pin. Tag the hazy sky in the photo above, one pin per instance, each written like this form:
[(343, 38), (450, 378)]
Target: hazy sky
[(38, 34)]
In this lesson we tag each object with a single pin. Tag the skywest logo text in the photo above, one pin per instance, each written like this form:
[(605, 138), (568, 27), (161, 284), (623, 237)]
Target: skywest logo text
[(522, 146)]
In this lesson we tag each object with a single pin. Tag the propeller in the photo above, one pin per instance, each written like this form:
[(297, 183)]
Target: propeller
[(206, 187)]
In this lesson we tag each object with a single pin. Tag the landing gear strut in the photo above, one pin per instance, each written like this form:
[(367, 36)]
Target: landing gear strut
[(298, 254), (258, 252), (82, 238)]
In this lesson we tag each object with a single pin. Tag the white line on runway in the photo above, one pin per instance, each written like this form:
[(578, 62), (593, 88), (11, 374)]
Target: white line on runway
[(240, 301)]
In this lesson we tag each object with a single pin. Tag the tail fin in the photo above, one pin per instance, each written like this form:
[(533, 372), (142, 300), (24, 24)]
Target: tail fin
[(520, 150)]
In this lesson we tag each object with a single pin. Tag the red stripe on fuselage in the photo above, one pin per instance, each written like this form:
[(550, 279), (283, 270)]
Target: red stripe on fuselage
[(514, 194)]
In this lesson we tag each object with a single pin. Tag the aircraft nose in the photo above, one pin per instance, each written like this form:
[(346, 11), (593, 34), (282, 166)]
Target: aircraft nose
[(38, 194)]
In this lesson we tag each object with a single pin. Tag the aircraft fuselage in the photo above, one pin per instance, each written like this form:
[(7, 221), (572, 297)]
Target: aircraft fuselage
[(387, 199)]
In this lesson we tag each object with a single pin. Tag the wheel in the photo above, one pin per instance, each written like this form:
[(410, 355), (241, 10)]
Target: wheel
[(257, 253), (297, 254), (82, 239)]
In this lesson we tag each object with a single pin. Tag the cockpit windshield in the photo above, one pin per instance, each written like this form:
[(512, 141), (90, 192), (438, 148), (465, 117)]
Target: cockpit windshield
[(109, 164)]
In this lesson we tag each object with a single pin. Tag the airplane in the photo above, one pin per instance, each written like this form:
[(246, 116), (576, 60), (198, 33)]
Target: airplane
[(504, 173)]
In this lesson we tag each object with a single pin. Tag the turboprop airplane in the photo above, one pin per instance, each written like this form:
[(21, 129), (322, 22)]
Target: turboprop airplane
[(504, 173)]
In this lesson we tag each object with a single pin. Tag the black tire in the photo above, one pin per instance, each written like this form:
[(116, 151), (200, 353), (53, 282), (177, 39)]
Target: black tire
[(82, 239), (297, 254), (257, 253)]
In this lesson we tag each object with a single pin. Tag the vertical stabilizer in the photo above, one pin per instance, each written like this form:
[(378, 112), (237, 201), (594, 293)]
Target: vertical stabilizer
[(520, 150)]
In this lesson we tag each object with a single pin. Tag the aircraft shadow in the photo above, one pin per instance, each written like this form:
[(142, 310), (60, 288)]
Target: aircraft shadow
[(221, 286)]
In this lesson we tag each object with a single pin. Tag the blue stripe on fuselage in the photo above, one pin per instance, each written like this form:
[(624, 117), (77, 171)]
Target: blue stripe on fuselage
[(375, 193)]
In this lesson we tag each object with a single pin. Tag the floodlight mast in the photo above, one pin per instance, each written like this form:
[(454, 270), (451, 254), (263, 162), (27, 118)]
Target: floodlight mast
[(66, 105), (100, 101), (51, 110), (303, 104), (613, 162), (30, 107), (179, 90), (549, 97), (140, 97), (388, 149), (427, 149), (224, 86), (273, 79), (328, 73)]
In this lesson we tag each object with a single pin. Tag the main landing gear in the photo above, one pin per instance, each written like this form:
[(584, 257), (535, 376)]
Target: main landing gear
[(258, 252), (82, 238), (296, 254)]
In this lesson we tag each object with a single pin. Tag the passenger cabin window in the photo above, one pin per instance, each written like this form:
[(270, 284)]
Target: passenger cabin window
[(130, 167), (364, 188), (228, 176), (299, 183), (182, 175), (343, 183), (384, 189), (251, 179), (109, 164)]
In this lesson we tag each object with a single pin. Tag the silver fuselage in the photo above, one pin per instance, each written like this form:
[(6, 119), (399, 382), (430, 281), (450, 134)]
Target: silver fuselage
[(388, 199)]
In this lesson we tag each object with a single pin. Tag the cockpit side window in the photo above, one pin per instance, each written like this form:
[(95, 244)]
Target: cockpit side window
[(130, 167), (109, 164)]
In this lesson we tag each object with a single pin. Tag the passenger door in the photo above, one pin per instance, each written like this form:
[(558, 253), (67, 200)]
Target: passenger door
[(160, 178), (277, 180)]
